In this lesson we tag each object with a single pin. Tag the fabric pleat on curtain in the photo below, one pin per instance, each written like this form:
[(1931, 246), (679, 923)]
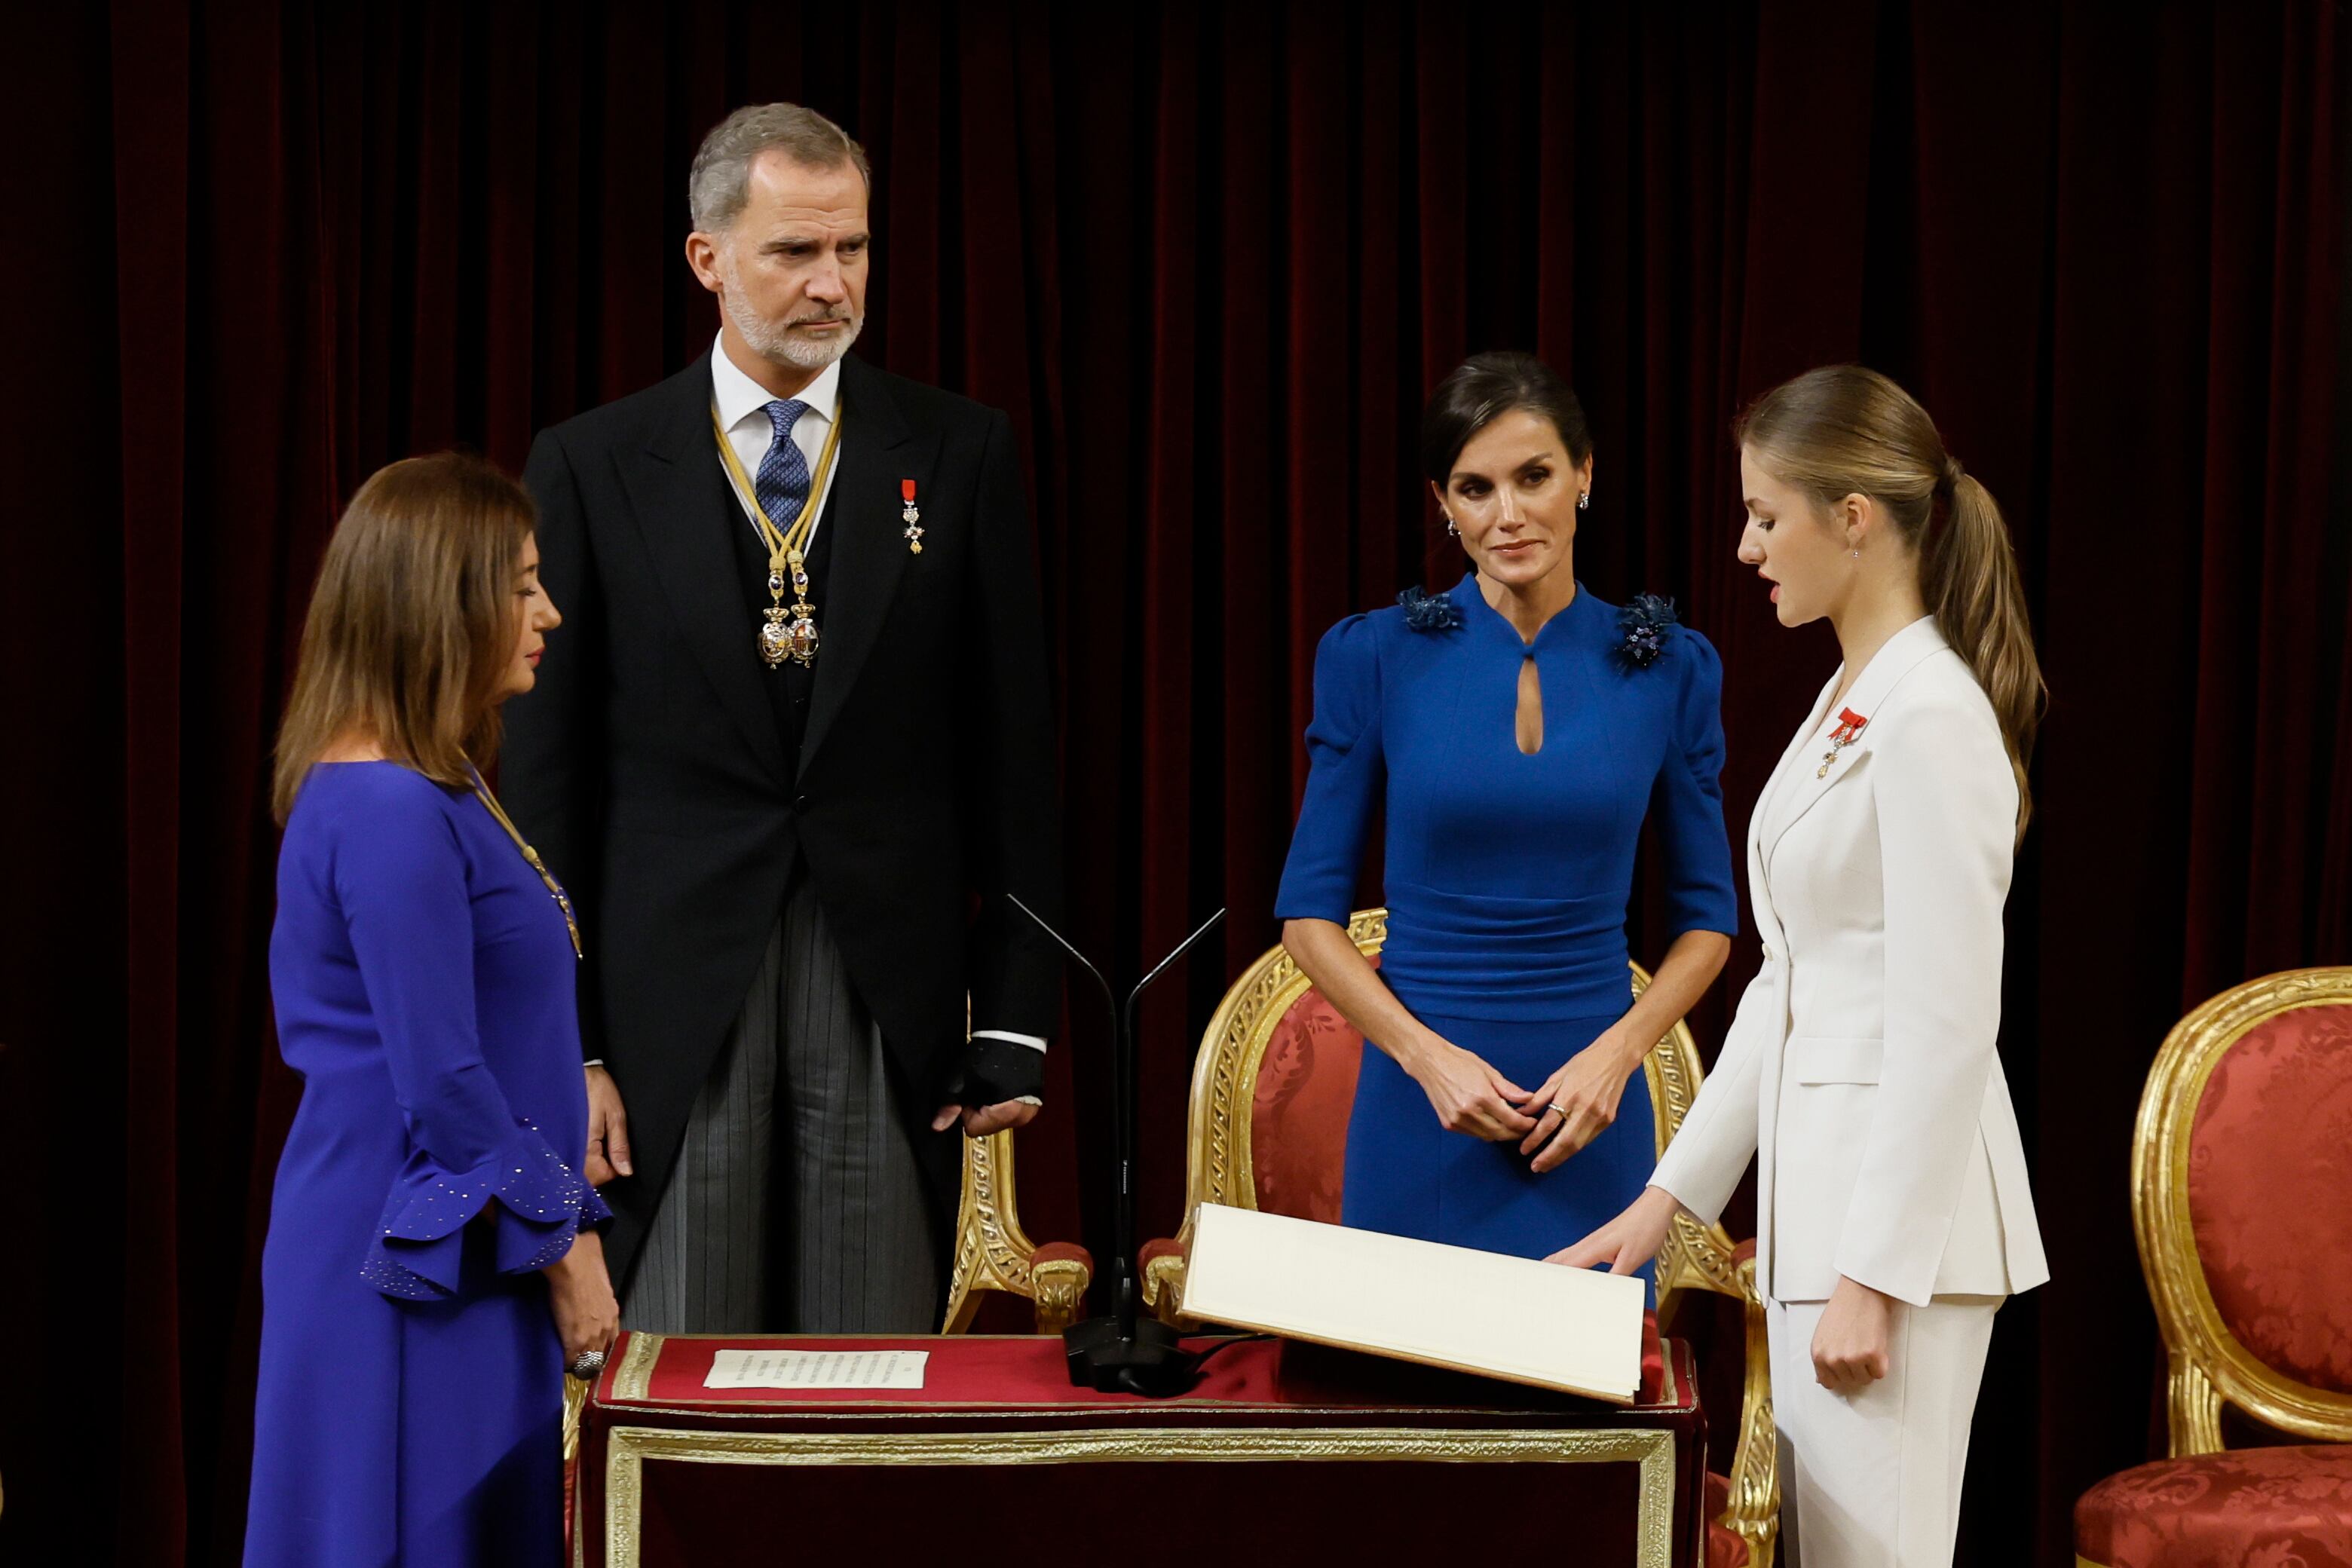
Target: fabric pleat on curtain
[(1211, 258)]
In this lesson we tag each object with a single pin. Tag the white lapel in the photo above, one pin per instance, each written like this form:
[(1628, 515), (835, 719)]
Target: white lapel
[(1814, 772)]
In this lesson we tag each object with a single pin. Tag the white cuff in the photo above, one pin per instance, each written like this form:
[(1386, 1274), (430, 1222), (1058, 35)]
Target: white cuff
[(1032, 1041), (592, 1062)]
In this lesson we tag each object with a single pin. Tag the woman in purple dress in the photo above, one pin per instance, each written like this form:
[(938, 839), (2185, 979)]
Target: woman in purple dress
[(428, 1276)]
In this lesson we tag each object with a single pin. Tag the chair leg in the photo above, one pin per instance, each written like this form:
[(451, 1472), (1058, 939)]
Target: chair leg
[(1755, 1512)]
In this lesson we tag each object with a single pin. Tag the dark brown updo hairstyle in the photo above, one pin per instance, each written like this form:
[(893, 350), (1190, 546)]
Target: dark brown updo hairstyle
[(1481, 390), (412, 623), (1843, 430)]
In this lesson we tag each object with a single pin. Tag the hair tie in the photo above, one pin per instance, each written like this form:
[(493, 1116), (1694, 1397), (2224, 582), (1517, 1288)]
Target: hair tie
[(1953, 472)]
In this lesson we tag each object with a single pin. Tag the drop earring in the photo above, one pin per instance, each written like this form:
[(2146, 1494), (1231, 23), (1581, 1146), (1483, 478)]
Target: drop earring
[(1453, 528), (1584, 500)]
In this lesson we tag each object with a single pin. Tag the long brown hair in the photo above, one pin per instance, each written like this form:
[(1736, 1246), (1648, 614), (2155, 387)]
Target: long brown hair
[(412, 622), (1844, 430)]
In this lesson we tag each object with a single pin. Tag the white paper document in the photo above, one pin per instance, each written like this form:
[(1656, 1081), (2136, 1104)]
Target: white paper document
[(1574, 1330), (817, 1369)]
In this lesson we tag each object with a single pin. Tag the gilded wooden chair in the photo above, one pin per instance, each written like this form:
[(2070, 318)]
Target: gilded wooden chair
[(992, 1253), (1268, 1127), (2241, 1202)]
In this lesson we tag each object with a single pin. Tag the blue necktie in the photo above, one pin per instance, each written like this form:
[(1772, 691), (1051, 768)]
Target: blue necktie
[(783, 484)]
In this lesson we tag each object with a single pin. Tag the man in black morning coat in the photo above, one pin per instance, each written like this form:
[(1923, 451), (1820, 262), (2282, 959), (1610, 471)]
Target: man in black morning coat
[(792, 876)]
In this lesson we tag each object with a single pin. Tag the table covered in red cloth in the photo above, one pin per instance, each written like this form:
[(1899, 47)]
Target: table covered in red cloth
[(1288, 1452)]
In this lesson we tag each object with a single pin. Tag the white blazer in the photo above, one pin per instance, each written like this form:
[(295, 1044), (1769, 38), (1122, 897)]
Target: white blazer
[(1861, 1064)]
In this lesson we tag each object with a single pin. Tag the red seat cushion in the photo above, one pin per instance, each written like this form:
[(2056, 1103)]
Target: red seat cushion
[(2274, 1234), (2248, 1507), (1724, 1549)]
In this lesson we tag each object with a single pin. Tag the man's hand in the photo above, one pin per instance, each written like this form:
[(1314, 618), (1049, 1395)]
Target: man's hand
[(979, 1120), (608, 1131)]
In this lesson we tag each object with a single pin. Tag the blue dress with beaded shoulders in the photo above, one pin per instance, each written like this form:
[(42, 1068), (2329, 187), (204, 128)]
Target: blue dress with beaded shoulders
[(1507, 879), (410, 1401)]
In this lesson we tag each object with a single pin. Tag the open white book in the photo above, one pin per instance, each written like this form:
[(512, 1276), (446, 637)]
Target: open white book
[(1574, 1330)]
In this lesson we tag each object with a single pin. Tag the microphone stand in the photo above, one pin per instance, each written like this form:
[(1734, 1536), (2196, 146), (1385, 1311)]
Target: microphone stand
[(1124, 1351)]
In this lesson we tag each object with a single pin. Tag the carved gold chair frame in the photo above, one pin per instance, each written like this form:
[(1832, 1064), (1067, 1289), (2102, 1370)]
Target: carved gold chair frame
[(2206, 1363), (1219, 1169), (993, 1253)]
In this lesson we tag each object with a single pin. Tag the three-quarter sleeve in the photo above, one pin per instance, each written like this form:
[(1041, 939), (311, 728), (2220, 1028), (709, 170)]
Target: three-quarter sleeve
[(400, 877), (1346, 775), (1687, 802)]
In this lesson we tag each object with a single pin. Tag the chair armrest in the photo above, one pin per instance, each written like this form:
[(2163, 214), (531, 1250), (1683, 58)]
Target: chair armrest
[(993, 1253), (1059, 1273), (1162, 1264)]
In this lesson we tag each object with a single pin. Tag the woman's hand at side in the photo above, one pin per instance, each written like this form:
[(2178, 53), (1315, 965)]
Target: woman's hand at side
[(579, 1293), (1853, 1343), (1630, 1240), (1579, 1102)]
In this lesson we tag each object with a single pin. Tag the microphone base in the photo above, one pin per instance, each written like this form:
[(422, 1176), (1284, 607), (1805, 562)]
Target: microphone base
[(1142, 1359)]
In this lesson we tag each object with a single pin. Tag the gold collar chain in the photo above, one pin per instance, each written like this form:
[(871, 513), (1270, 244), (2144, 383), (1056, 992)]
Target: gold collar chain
[(787, 633)]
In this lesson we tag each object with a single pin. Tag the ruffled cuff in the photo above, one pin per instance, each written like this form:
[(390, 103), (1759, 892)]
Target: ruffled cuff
[(420, 1240)]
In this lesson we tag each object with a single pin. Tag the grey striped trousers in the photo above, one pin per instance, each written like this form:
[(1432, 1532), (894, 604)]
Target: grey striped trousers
[(796, 1204)]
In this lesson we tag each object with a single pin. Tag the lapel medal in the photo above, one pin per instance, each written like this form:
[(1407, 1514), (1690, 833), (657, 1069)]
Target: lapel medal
[(912, 515), (1851, 725)]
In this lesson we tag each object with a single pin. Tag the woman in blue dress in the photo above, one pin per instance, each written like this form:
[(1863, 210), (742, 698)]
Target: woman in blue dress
[(427, 1276), (1515, 733)]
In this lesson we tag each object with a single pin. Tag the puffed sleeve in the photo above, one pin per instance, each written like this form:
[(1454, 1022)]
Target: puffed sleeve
[(400, 876), (1345, 774), (1687, 802)]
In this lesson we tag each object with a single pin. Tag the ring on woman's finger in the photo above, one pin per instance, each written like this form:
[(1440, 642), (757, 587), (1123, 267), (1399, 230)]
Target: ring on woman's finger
[(1561, 1108), (587, 1364)]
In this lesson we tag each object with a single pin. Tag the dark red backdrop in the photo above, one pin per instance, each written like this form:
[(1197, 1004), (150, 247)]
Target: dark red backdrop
[(1210, 260)]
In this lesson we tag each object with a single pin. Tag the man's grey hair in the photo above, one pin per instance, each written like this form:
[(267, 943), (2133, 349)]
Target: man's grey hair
[(720, 183)]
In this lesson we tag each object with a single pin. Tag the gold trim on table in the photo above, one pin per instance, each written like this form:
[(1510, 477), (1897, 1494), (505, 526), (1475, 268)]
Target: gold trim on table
[(629, 1448)]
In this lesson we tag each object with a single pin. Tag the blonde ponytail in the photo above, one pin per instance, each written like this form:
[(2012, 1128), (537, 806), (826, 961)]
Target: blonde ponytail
[(1844, 430), (1968, 575)]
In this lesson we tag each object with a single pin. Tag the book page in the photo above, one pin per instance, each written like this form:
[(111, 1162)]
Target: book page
[(1574, 1330), (817, 1369)]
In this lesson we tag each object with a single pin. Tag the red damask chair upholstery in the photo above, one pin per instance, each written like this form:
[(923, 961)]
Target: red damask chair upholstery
[(2241, 1199), (1267, 1129)]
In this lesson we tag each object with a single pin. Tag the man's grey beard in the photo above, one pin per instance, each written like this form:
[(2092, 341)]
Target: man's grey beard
[(778, 344)]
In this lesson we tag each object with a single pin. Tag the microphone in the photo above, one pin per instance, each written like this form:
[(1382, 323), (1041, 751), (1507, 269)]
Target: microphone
[(1124, 1351)]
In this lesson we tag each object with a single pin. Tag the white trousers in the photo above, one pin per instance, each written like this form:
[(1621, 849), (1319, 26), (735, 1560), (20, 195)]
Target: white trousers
[(1872, 1480)]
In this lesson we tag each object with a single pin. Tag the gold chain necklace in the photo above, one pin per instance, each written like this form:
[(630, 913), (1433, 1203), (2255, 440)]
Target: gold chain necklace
[(555, 888), (788, 634)]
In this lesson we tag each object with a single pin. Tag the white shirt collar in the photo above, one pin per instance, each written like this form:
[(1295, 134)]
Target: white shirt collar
[(740, 397)]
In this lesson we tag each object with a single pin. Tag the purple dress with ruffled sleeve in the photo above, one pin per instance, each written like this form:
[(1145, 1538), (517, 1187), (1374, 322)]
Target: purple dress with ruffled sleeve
[(410, 1408)]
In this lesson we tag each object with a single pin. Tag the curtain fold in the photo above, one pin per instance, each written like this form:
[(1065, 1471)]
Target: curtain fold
[(1210, 259)]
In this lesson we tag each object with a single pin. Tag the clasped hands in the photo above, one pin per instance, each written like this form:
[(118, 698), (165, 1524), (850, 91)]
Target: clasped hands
[(1550, 1121)]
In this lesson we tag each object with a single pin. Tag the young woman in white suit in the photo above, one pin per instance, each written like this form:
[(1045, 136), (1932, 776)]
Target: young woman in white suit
[(1893, 1210)]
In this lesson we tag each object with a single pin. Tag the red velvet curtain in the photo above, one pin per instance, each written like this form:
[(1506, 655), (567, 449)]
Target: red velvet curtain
[(1211, 258)]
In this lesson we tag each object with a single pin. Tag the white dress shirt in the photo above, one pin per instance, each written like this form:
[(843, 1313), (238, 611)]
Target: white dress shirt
[(742, 405)]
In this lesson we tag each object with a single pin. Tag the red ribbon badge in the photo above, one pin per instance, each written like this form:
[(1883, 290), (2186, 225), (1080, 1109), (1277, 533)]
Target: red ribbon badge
[(1851, 725), (907, 491)]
